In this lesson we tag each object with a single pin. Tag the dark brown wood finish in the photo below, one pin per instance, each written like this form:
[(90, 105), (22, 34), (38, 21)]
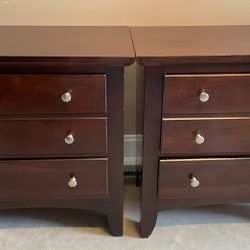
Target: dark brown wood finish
[(42, 94), (42, 61), (40, 179), (187, 60), (66, 45), (219, 178), (228, 136), (228, 93), (151, 147), (115, 78), (191, 45), (46, 137)]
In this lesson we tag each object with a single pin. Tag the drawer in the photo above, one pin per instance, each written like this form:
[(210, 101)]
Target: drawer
[(204, 178), (59, 179), (207, 136), (53, 137), (38, 94), (225, 93)]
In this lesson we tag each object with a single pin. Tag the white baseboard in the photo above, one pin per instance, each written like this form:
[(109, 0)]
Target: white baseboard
[(132, 151)]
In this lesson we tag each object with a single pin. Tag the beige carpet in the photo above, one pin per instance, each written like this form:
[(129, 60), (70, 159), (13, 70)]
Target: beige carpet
[(217, 227)]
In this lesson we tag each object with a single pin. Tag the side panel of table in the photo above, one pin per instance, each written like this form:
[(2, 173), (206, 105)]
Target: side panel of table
[(154, 77)]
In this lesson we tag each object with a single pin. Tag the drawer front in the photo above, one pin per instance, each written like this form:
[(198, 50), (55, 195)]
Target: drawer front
[(206, 94), (205, 136), (53, 137), (66, 179), (37, 94), (204, 178)]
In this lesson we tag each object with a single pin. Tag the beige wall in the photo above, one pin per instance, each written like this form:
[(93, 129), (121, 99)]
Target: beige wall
[(125, 12)]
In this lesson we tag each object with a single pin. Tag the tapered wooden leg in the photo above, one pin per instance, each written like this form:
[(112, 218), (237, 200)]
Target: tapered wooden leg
[(115, 221), (151, 148), (149, 202), (147, 222)]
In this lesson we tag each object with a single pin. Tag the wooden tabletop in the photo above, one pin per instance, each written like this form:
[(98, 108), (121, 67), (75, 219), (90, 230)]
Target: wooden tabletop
[(205, 44), (95, 45)]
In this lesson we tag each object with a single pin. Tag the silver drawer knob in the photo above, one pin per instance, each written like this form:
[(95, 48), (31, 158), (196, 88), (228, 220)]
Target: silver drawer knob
[(204, 97), (72, 182), (194, 182), (66, 97), (69, 139), (199, 139)]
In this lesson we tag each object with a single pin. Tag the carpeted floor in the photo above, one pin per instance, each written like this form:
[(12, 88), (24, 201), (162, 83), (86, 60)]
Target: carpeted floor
[(218, 227)]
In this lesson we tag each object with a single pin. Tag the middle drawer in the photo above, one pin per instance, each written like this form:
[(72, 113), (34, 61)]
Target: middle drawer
[(205, 136), (53, 137)]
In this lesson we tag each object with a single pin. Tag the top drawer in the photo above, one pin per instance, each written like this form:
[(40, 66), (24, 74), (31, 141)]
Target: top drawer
[(220, 93), (38, 94)]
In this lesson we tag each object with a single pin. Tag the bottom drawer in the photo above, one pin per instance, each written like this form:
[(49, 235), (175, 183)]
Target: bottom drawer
[(58, 179), (204, 178)]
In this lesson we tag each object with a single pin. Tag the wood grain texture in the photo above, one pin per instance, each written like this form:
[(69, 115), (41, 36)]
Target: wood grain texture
[(218, 179), (45, 137), (222, 137), (228, 93), (52, 58), (166, 51), (90, 45), (178, 45), (38, 179), (41, 94)]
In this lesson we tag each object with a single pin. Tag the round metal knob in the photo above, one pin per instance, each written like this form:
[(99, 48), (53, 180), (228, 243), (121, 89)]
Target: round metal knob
[(66, 97), (204, 97), (72, 182), (199, 139), (194, 182), (69, 139)]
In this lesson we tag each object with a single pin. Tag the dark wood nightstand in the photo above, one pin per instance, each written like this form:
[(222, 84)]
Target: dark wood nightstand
[(61, 118), (196, 117)]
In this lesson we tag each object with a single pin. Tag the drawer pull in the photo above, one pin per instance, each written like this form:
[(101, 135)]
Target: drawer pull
[(72, 182), (66, 97), (194, 182), (69, 139), (204, 97), (199, 139)]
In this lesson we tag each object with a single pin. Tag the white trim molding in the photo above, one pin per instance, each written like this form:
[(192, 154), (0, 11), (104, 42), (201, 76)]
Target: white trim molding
[(132, 151)]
